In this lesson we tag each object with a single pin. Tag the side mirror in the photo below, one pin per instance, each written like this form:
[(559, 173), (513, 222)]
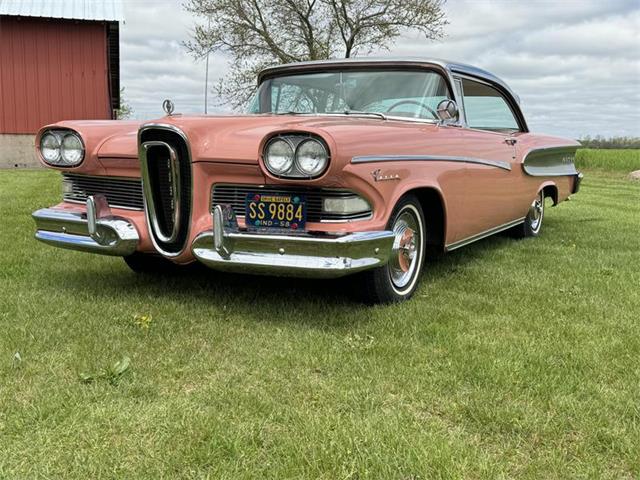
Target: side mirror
[(447, 111)]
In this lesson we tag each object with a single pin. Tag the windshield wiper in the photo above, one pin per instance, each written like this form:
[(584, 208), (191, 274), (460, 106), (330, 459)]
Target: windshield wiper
[(345, 112), (372, 114), (291, 113)]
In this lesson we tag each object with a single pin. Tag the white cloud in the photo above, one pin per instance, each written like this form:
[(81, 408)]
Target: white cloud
[(575, 63)]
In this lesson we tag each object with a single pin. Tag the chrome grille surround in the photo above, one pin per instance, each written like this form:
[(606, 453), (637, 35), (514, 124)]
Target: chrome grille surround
[(121, 192), (165, 165), (234, 195)]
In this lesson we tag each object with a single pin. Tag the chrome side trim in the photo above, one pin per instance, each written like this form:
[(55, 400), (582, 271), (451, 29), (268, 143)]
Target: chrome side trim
[(111, 235), (430, 158), (550, 161), (171, 236), (481, 235), (319, 256)]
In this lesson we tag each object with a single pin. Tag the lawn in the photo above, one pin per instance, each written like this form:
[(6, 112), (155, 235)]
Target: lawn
[(611, 159), (515, 359)]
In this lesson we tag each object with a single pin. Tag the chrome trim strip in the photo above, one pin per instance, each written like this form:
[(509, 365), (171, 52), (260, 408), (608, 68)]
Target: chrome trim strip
[(481, 235), (319, 256), (176, 130), (148, 191), (430, 158)]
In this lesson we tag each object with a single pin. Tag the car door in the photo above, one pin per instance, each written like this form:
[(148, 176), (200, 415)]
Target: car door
[(488, 137)]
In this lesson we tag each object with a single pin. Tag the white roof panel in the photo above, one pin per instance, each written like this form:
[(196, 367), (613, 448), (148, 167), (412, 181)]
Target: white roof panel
[(106, 10)]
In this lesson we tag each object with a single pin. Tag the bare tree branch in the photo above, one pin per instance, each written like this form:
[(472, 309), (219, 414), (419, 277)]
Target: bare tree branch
[(260, 33)]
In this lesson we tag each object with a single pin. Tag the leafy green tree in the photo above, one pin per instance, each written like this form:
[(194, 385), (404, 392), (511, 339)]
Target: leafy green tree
[(125, 111)]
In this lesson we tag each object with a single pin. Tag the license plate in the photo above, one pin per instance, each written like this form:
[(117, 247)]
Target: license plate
[(266, 211)]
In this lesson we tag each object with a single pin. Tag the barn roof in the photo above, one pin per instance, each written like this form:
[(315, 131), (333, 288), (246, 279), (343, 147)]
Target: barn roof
[(101, 10)]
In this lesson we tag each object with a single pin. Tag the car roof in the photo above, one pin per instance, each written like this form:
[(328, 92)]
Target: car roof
[(452, 67)]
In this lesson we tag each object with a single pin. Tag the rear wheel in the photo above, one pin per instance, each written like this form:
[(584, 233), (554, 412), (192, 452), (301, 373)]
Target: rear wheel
[(398, 279), (533, 221)]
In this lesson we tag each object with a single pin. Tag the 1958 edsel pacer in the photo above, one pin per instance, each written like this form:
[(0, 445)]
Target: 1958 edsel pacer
[(339, 167)]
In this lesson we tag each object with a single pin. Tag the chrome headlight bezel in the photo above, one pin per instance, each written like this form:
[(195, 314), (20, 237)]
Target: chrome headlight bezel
[(295, 169), (62, 159), (271, 164)]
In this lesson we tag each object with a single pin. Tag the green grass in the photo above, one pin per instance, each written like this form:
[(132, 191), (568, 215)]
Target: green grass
[(612, 160), (516, 359)]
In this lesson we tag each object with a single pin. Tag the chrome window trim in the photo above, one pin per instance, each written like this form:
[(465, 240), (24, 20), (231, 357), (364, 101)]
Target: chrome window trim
[(176, 130), (430, 158), (512, 102), (485, 234)]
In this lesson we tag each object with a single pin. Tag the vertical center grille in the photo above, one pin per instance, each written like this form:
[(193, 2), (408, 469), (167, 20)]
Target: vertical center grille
[(166, 180)]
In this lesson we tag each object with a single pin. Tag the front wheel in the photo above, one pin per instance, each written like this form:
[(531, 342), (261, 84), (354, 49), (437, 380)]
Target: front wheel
[(398, 279)]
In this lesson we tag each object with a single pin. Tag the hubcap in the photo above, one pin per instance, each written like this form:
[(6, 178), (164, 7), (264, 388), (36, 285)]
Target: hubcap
[(405, 254), (536, 212)]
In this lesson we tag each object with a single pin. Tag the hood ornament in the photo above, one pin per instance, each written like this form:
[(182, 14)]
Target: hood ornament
[(168, 107)]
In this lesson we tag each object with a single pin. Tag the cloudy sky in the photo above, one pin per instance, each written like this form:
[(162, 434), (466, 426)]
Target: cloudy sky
[(574, 63)]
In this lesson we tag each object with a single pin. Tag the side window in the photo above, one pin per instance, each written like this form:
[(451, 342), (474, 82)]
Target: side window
[(486, 109)]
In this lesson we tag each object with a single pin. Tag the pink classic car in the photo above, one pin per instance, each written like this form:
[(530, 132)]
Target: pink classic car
[(338, 167)]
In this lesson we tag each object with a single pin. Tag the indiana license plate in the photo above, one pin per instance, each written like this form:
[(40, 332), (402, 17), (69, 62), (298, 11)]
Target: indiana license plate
[(266, 211)]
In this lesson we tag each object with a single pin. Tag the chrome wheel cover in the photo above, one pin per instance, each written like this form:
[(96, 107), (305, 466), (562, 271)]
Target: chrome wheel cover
[(536, 213), (406, 254)]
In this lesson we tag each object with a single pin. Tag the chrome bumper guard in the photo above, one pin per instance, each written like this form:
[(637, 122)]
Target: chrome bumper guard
[(97, 231), (229, 249)]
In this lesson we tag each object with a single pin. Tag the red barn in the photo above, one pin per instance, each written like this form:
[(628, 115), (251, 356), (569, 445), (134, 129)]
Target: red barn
[(59, 60)]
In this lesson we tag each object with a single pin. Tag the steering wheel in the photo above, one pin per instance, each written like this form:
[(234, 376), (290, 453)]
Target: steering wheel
[(414, 102)]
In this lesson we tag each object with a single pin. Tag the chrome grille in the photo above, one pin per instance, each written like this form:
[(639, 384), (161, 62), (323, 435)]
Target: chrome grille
[(235, 196), (165, 165), (121, 192)]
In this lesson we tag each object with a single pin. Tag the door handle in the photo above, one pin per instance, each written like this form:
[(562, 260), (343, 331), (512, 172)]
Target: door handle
[(510, 141)]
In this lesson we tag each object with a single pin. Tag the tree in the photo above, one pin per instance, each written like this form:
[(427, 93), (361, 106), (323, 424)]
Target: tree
[(125, 110), (260, 33)]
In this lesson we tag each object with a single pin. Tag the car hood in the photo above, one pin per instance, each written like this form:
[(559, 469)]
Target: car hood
[(240, 139)]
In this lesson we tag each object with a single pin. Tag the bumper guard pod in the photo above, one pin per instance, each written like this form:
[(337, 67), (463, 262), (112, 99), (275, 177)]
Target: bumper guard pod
[(96, 231)]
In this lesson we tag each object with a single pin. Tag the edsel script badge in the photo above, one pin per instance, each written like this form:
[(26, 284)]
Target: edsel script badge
[(379, 177)]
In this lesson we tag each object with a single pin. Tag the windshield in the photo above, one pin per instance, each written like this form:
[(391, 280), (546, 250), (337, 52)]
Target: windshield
[(410, 94)]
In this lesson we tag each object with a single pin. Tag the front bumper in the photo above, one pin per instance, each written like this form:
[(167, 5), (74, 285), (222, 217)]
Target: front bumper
[(227, 248), (96, 231)]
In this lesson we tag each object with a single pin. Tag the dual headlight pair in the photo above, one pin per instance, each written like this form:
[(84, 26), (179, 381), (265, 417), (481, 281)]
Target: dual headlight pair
[(296, 156), (61, 148)]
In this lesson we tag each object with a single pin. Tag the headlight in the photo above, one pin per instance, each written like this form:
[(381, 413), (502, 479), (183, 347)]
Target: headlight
[(296, 155), (311, 157), (72, 149), (279, 156), (50, 148), (61, 148)]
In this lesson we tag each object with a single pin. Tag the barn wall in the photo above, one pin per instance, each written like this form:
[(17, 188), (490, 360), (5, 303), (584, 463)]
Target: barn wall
[(51, 70)]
